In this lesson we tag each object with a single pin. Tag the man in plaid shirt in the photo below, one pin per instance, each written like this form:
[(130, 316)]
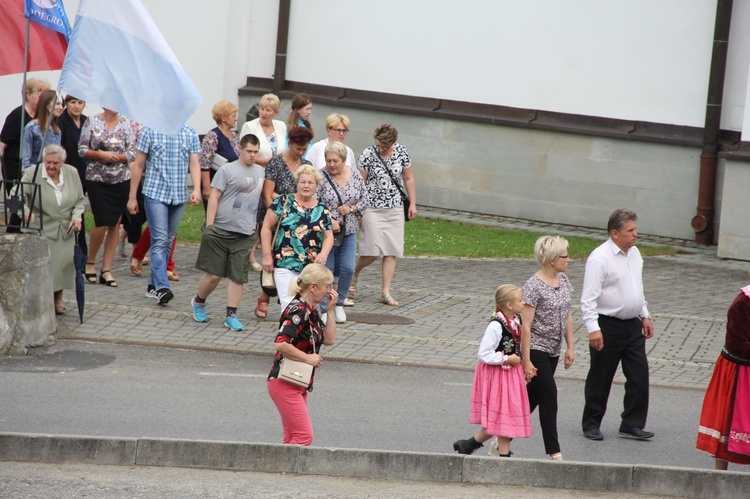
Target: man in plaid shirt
[(166, 160)]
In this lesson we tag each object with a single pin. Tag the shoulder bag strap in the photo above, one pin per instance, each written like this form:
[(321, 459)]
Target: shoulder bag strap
[(335, 188), (401, 191), (278, 224)]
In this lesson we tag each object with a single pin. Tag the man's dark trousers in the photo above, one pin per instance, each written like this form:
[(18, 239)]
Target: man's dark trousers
[(623, 342)]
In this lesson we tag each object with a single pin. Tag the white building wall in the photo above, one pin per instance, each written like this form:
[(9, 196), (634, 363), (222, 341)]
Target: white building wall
[(629, 59), (535, 175)]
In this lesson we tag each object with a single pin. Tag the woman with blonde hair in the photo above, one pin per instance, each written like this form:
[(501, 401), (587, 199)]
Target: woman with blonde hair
[(301, 335), (270, 132), (281, 179), (305, 232), (273, 141), (337, 127), (343, 191), (547, 319)]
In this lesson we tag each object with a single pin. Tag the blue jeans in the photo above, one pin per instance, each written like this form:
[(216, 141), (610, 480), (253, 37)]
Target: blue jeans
[(341, 262), (163, 220)]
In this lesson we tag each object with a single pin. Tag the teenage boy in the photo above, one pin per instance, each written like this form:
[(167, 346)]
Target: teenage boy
[(230, 231)]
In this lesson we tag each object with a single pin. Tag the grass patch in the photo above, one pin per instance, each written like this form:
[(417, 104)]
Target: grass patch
[(191, 223), (189, 231), (438, 237)]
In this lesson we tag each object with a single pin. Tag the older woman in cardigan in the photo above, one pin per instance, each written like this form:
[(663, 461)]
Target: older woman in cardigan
[(61, 197)]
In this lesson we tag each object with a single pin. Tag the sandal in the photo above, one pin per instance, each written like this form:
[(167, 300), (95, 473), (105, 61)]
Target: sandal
[(108, 282), (135, 268), (388, 300), (172, 276), (261, 310), (348, 302), (59, 308), (90, 277)]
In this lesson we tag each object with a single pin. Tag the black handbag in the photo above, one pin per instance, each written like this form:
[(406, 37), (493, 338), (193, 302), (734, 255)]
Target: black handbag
[(338, 237), (404, 194)]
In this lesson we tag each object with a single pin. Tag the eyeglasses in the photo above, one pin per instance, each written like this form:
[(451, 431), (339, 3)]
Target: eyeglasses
[(382, 148), (339, 130)]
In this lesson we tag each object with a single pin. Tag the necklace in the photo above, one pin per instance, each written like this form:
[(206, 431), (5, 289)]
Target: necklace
[(293, 165)]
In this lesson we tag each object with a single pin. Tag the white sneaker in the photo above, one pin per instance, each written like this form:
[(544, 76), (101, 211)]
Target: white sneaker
[(492, 451), (340, 314), (324, 318)]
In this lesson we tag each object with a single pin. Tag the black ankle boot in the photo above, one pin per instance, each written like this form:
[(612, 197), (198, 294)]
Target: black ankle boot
[(466, 446)]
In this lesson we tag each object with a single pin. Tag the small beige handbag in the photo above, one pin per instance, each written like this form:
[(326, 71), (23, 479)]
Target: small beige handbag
[(296, 372)]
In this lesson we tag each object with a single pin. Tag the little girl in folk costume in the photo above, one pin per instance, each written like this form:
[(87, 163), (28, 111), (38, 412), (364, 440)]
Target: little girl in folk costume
[(499, 401)]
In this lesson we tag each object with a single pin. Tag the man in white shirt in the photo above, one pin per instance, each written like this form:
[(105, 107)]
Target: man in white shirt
[(614, 311)]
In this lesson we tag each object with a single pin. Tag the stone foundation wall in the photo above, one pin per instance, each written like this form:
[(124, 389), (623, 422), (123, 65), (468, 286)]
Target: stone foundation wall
[(27, 314), (532, 174)]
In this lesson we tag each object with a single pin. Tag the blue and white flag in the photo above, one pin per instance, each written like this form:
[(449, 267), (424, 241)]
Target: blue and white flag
[(119, 59), (48, 13)]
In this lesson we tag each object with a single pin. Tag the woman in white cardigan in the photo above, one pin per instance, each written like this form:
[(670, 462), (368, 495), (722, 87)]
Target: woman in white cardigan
[(270, 132)]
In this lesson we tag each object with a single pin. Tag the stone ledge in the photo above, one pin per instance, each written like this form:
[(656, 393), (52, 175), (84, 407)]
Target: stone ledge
[(241, 456), (67, 449)]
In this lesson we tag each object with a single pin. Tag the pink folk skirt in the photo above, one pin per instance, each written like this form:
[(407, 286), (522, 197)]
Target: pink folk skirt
[(499, 401)]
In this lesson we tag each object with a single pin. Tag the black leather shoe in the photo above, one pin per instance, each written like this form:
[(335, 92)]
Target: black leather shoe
[(467, 446), (593, 434), (635, 433)]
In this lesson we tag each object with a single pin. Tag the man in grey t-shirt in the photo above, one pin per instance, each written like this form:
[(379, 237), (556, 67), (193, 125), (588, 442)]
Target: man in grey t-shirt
[(230, 231)]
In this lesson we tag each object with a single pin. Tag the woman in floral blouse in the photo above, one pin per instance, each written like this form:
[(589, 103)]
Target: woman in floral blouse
[(382, 166), (280, 180), (546, 319), (301, 334), (108, 144), (343, 191), (222, 140), (304, 236)]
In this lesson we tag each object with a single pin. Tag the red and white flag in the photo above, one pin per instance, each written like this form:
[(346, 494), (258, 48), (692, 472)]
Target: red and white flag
[(46, 46)]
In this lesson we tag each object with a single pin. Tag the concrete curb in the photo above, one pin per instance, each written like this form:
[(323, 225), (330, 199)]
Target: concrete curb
[(290, 459)]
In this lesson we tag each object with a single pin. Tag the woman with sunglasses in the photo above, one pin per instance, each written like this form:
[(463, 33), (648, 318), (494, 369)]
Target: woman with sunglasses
[(383, 166)]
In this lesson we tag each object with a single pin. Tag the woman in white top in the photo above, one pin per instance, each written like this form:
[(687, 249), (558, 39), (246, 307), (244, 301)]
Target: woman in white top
[(272, 136), (270, 132), (337, 127)]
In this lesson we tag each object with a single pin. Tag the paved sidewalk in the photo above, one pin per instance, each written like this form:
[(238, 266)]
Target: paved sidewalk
[(445, 304)]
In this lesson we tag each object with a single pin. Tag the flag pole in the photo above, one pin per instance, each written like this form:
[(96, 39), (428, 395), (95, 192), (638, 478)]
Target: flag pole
[(23, 89)]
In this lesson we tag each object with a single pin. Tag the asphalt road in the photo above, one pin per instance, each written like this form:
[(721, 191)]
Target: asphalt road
[(82, 388)]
